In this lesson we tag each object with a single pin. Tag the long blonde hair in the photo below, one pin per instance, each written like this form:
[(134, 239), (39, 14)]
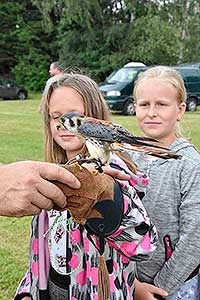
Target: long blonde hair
[(166, 74)]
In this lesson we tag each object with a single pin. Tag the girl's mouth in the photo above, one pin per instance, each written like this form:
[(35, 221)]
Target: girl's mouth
[(152, 123), (67, 136)]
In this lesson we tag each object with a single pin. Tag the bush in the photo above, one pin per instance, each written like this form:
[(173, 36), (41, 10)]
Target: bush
[(31, 70)]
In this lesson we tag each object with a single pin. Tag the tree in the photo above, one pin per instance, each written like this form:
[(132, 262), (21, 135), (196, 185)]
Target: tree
[(95, 36), (8, 23)]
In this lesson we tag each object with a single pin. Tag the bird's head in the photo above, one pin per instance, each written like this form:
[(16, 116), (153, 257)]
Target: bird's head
[(71, 121)]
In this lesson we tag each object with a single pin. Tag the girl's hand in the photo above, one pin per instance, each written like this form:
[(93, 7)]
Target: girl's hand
[(146, 291), (115, 173)]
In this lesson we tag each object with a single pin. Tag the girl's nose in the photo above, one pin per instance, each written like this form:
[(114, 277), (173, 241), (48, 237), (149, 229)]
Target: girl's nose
[(152, 111)]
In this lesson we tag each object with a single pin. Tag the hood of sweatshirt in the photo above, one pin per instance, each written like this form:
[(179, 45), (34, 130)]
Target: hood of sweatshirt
[(181, 145)]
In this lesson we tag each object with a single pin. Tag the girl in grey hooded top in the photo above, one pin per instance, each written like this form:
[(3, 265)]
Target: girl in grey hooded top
[(173, 202), (173, 195)]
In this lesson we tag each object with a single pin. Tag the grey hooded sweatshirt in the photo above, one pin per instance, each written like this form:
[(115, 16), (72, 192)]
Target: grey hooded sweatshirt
[(173, 204)]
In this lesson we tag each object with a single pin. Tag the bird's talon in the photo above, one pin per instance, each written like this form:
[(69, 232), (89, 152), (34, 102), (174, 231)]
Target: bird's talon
[(99, 169), (95, 172), (76, 163)]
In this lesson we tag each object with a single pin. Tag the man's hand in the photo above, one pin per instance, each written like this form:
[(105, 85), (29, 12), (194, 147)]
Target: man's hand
[(146, 291), (25, 187)]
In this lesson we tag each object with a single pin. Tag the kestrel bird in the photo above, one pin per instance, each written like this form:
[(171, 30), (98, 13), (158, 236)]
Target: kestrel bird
[(103, 137)]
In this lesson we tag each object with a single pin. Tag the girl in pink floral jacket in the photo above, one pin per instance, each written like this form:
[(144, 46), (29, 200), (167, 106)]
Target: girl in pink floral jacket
[(64, 255)]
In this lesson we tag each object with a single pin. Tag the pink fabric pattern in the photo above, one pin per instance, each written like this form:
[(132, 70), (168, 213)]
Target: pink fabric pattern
[(121, 249), (73, 263), (81, 278)]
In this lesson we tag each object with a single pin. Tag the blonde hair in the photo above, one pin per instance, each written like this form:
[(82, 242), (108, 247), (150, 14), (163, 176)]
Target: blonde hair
[(94, 106), (168, 75)]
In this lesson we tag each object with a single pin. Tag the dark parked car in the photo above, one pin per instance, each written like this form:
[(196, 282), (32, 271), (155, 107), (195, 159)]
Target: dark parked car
[(191, 77), (117, 89), (10, 90)]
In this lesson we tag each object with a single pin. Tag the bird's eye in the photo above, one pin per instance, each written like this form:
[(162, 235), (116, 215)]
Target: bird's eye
[(62, 120), (78, 122)]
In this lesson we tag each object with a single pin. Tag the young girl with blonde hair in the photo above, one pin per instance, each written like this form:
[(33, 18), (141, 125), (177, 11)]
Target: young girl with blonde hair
[(64, 257), (172, 198)]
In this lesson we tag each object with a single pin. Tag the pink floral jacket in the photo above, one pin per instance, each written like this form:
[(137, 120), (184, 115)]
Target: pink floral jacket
[(135, 239)]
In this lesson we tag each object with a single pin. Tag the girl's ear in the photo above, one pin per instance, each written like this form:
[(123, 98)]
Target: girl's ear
[(182, 108)]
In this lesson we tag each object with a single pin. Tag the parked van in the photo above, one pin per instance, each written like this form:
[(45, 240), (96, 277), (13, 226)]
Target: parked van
[(117, 89), (191, 77)]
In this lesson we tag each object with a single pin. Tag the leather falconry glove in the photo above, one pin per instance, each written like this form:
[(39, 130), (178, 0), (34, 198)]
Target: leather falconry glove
[(94, 188)]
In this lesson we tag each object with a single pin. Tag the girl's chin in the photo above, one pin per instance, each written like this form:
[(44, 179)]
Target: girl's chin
[(72, 148), (150, 133)]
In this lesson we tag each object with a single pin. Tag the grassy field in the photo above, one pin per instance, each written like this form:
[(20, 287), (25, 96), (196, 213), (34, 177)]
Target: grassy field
[(21, 139)]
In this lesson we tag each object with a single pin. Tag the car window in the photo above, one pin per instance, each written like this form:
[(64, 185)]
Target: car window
[(190, 74), (10, 83), (122, 75)]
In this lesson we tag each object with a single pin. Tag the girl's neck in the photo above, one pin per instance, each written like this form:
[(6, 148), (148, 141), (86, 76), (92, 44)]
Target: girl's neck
[(73, 154), (167, 141)]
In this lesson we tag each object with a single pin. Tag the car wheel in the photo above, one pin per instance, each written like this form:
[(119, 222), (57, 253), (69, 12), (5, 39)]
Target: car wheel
[(192, 104), (129, 109), (21, 95)]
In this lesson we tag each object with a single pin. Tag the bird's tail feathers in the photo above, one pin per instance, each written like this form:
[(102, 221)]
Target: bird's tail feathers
[(144, 138), (149, 150)]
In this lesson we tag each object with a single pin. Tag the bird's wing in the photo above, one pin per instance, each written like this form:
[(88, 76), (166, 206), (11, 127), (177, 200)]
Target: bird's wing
[(128, 134), (99, 130), (130, 138), (110, 132)]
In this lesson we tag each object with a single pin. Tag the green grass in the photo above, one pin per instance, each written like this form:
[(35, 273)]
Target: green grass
[(14, 237), (20, 130), (21, 139)]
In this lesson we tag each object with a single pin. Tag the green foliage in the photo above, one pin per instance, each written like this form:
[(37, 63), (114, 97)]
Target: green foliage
[(26, 53), (95, 36), (156, 43), (192, 44), (31, 70), (8, 39)]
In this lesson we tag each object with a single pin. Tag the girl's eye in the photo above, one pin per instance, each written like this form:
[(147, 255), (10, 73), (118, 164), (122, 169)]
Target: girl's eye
[(162, 104), (143, 104), (54, 117)]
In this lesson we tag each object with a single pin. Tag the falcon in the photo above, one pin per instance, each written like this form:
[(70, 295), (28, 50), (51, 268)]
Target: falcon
[(104, 137)]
